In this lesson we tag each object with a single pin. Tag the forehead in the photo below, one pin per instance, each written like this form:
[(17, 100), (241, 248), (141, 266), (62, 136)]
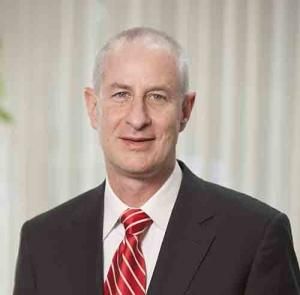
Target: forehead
[(135, 62)]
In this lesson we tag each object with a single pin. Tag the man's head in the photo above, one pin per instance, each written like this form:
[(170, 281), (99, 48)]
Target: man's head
[(140, 102)]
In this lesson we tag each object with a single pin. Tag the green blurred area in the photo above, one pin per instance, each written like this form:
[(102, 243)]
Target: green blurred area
[(4, 115)]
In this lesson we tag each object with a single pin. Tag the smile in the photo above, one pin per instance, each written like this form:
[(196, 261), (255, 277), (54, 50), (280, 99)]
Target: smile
[(137, 143), (138, 139)]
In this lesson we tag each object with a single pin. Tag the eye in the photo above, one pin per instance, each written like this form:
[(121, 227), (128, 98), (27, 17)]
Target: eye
[(157, 98), (121, 95)]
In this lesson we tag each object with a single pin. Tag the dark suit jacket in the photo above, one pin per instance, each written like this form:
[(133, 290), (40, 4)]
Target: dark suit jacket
[(218, 242)]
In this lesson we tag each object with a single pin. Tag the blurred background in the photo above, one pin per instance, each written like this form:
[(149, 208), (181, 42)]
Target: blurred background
[(244, 132)]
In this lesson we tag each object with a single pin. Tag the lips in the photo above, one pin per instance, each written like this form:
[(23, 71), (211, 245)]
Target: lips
[(137, 139), (137, 143)]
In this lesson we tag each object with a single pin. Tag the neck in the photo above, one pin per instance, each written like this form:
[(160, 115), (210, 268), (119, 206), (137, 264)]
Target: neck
[(135, 191)]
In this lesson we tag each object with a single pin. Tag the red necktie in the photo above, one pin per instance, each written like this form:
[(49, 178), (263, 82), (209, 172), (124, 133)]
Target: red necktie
[(127, 273)]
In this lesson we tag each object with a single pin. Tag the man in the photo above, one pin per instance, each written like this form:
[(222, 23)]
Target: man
[(153, 226)]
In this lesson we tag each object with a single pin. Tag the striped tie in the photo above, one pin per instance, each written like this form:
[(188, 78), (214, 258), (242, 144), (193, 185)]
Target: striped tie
[(127, 273)]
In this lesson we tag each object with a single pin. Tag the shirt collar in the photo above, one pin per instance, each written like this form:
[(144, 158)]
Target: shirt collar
[(113, 208), (158, 207)]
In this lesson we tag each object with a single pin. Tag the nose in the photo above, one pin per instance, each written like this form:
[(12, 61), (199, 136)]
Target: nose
[(137, 116)]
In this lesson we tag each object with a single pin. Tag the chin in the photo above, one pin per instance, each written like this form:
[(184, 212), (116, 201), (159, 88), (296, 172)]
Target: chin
[(138, 167)]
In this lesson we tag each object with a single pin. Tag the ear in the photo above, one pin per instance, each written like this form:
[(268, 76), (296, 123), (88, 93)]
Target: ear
[(91, 105), (187, 106)]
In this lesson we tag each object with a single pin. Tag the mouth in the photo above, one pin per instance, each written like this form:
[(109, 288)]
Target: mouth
[(137, 139), (137, 143)]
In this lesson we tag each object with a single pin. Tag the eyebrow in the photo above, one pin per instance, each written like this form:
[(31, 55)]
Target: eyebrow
[(127, 87), (119, 85)]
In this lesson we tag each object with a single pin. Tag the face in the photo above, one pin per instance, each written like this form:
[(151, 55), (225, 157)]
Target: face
[(139, 111)]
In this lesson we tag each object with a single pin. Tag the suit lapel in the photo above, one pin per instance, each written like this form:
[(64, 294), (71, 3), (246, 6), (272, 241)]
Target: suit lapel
[(189, 235), (83, 247)]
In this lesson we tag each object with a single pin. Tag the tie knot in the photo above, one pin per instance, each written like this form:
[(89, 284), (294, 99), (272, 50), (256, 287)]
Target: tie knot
[(135, 221)]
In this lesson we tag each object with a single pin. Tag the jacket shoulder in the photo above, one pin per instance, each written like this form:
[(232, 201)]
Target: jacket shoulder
[(75, 209), (225, 201), (235, 202)]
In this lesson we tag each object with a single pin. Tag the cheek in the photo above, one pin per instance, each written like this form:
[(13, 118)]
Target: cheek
[(110, 119), (105, 125), (168, 126)]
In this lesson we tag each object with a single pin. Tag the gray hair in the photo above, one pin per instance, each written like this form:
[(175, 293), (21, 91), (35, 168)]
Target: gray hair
[(151, 38)]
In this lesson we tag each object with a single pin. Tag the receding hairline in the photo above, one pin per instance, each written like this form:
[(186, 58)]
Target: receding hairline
[(150, 38)]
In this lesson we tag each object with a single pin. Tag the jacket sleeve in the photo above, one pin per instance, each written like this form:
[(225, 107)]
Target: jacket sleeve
[(24, 276), (275, 268)]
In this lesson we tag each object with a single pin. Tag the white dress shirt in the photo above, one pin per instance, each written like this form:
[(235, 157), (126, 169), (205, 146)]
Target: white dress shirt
[(158, 207)]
